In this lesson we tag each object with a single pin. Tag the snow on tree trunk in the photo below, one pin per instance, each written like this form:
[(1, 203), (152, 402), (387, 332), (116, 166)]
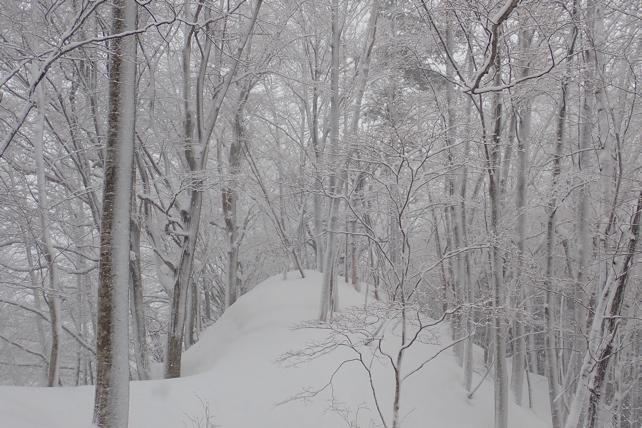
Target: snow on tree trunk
[(602, 332), (499, 327), (583, 236), (352, 137), (551, 348), (197, 160), (523, 133), (136, 302), (179, 298), (111, 405), (451, 211), (36, 290), (230, 200), (329, 293), (52, 293)]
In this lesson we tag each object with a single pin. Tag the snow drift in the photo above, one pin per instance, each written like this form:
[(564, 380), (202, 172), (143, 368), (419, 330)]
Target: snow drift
[(235, 377)]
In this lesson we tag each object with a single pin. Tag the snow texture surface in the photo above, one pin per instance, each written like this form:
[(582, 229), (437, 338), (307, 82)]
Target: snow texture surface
[(234, 376)]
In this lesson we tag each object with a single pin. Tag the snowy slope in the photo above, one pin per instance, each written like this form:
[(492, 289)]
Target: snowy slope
[(233, 375)]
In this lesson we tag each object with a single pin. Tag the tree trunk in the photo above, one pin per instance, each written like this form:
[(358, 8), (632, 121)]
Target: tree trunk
[(522, 134), (176, 328), (230, 201), (111, 405), (36, 290), (499, 327), (137, 303), (329, 296), (552, 361), (451, 214), (602, 332), (52, 293), (583, 236), (197, 160)]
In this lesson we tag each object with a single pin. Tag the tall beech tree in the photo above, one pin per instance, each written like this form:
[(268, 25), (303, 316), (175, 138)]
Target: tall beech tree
[(111, 404)]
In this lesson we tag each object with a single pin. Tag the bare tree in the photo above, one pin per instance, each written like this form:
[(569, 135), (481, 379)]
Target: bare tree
[(196, 155), (330, 294), (602, 332)]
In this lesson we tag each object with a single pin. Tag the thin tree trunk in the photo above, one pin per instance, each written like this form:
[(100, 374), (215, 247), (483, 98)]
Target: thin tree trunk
[(329, 296), (191, 222), (285, 241), (552, 361), (354, 276), (583, 236), (230, 201), (499, 327), (316, 200), (191, 316), (137, 304), (522, 133), (52, 293), (452, 216), (468, 283), (181, 284), (440, 255), (36, 290), (361, 82), (197, 163)]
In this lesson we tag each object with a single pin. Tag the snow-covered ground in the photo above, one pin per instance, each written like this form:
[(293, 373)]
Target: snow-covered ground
[(235, 376)]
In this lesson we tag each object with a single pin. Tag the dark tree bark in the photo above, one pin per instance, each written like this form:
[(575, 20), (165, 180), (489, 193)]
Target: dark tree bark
[(111, 405)]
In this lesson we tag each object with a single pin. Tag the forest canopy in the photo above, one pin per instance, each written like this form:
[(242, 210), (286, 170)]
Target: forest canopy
[(477, 163)]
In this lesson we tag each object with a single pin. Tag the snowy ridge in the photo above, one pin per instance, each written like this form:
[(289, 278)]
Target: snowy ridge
[(234, 376)]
